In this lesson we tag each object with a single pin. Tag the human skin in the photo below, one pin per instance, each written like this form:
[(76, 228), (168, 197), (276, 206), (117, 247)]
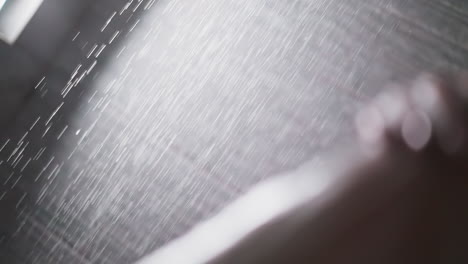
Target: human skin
[(398, 196)]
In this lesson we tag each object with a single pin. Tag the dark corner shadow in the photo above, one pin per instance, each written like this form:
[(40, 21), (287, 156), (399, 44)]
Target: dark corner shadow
[(38, 145)]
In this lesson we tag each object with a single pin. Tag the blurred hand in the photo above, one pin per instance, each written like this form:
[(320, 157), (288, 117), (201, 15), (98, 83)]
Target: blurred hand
[(399, 197)]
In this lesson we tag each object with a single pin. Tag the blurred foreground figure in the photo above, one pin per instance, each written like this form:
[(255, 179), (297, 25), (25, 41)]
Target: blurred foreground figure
[(400, 196)]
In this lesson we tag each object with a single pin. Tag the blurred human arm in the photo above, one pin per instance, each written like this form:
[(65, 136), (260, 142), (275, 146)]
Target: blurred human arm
[(398, 196)]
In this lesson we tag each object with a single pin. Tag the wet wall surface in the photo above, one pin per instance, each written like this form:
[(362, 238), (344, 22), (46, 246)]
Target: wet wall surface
[(153, 115)]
